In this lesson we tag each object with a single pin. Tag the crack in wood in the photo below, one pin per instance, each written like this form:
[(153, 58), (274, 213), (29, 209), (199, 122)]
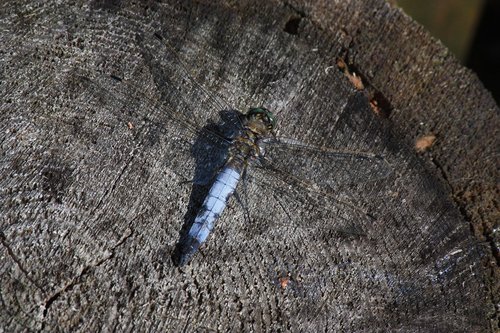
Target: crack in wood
[(76, 280), (13, 256)]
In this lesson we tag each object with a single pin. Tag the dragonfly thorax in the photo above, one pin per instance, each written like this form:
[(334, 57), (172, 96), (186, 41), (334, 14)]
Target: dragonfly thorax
[(258, 124), (245, 149)]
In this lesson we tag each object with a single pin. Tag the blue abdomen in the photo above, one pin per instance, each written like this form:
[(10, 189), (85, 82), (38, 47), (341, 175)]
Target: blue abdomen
[(212, 208)]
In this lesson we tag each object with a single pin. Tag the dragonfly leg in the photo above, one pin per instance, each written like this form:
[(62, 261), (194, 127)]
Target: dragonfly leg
[(244, 206), (195, 181)]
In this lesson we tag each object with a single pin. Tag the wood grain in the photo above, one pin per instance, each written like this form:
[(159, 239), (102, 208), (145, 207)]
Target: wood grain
[(93, 171)]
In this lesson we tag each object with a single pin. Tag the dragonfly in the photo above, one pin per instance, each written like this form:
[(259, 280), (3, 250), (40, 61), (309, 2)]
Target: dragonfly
[(250, 146)]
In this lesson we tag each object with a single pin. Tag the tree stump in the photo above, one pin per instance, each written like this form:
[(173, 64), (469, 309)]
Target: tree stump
[(95, 161)]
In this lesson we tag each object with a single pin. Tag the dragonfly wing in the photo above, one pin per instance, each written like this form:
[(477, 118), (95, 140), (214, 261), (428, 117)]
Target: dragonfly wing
[(154, 121), (177, 82), (304, 223), (322, 168)]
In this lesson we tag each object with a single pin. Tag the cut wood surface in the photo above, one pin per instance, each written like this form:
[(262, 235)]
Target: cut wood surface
[(100, 166)]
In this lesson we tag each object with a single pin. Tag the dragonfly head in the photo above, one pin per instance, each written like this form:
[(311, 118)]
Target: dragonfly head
[(264, 115)]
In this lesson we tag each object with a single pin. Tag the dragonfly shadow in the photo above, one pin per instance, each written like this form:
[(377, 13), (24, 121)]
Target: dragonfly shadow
[(210, 152)]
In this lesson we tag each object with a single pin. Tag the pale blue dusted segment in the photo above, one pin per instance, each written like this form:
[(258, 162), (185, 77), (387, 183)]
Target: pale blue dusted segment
[(214, 203), (195, 229), (217, 189), (211, 202)]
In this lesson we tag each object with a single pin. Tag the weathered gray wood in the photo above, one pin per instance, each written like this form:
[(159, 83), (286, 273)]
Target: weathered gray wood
[(92, 189)]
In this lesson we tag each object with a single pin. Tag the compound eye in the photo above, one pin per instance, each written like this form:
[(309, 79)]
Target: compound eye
[(265, 115)]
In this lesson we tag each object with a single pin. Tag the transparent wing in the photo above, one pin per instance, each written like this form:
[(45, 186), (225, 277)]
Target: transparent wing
[(322, 168), (138, 107), (169, 92), (312, 211), (168, 109), (303, 230), (176, 81)]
